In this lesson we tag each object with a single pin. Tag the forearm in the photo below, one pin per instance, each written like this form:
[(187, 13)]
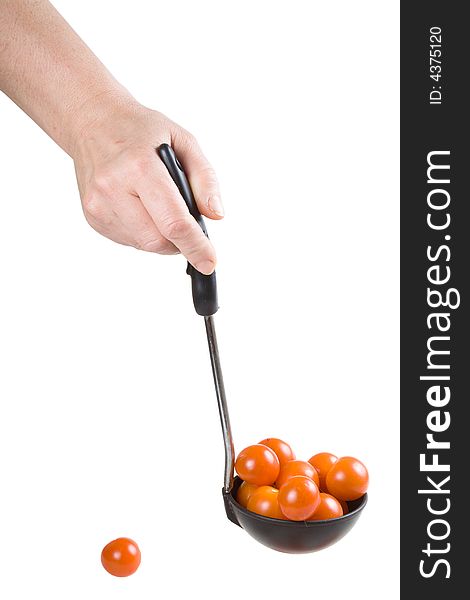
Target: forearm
[(49, 72), (126, 191)]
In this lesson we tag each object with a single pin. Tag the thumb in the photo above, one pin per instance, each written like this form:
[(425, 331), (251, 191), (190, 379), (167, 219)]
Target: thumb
[(201, 175)]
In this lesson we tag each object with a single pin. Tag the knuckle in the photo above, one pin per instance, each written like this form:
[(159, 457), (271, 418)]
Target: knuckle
[(157, 245), (176, 229), (209, 177), (199, 251), (92, 205), (188, 140), (103, 183), (140, 166)]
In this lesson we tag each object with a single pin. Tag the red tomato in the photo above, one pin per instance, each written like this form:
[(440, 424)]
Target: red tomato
[(265, 501), (299, 497), (323, 463), (292, 468), (121, 557), (282, 450), (347, 479), (329, 508), (244, 492), (257, 464)]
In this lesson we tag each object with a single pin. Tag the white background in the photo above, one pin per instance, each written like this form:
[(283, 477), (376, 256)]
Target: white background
[(108, 419)]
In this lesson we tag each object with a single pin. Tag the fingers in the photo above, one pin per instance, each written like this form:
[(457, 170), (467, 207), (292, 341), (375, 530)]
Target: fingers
[(130, 197), (125, 221), (164, 204), (201, 176)]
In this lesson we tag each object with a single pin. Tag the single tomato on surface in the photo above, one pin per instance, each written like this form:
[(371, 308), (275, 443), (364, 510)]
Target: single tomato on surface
[(244, 492), (292, 468), (299, 497), (257, 464), (323, 461), (329, 508), (265, 501), (347, 479), (121, 557), (282, 450)]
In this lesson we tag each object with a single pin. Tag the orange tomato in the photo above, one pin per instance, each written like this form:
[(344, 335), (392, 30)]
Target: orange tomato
[(323, 461), (282, 450), (244, 492), (292, 468), (265, 501), (329, 508), (299, 497), (347, 479), (257, 464), (121, 557)]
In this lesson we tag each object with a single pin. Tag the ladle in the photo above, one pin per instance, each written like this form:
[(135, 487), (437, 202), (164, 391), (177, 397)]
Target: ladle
[(285, 536)]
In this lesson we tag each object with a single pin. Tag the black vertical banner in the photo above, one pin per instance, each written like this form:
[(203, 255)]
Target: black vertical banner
[(435, 299)]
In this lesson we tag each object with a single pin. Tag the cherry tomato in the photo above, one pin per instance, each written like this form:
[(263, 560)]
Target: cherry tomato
[(344, 506), (121, 557), (323, 463), (299, 497), (292, 468), (347, 479), (329, 508), (244, 492), (265, 501), (257, 464), (282, 450)]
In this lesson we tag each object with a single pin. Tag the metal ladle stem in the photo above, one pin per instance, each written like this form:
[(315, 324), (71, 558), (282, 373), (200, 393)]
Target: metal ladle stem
[(222, 403), (204, 288)]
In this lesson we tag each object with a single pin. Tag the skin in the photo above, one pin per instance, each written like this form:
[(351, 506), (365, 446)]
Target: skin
[(126, 192)]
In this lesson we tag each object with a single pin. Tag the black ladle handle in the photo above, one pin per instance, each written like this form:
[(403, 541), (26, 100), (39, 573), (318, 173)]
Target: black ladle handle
[(204, 286)]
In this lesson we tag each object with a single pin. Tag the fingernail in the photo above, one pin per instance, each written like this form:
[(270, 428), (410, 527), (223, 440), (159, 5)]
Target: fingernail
[(215, 204), (206, 267)]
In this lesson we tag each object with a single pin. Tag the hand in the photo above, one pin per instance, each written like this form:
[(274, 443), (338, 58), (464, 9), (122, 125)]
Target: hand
[(127, 194)]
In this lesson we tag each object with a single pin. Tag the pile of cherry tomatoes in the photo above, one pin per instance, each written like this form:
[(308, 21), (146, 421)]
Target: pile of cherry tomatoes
[(277, 485)]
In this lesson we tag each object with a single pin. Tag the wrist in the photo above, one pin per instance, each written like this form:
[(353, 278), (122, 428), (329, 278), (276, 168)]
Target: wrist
[(92, 115)]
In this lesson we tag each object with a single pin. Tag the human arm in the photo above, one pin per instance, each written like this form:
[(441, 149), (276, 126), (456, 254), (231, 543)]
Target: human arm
[(126, 192)]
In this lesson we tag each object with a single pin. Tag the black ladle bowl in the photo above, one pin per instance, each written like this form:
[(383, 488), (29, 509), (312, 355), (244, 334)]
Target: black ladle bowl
[(294, 537)]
